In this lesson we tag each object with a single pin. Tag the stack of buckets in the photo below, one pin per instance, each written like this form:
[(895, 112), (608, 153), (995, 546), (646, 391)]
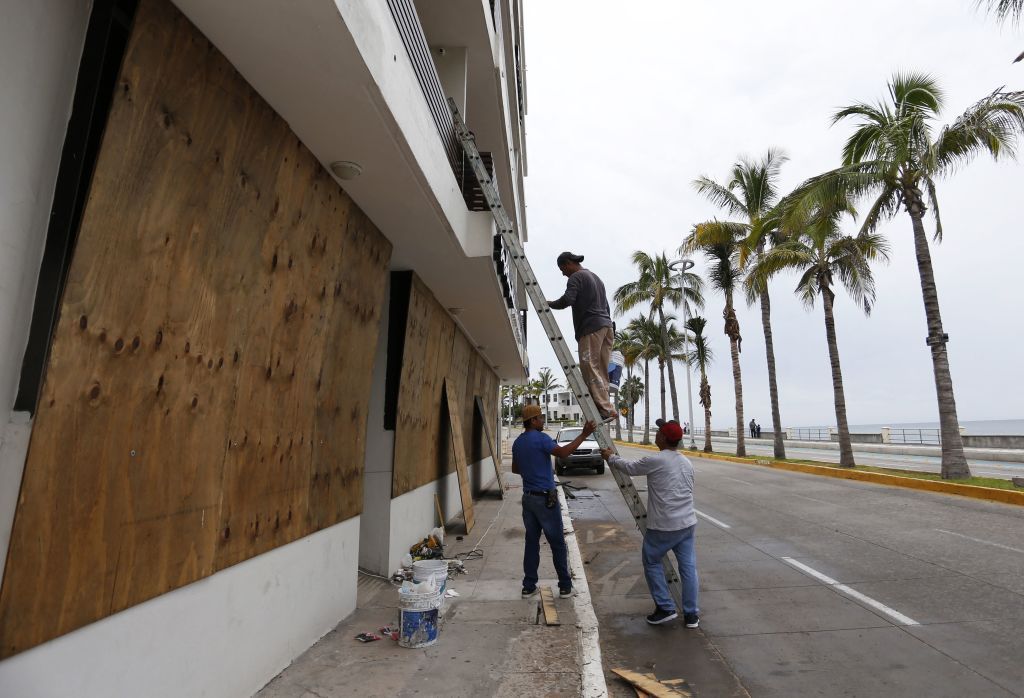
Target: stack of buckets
[(420, 609)]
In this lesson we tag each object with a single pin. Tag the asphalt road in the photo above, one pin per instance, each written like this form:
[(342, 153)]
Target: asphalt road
[(817, 586)]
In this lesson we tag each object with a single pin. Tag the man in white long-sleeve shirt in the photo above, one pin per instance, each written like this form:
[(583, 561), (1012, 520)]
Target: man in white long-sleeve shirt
[(671, 521)]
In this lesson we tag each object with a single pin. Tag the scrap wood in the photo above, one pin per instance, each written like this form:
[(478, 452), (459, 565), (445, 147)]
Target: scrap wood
[(650, 686), (547, 602)]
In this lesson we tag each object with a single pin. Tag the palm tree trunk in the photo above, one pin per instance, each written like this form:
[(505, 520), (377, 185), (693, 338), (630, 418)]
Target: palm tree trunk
[(707, 411), (737, 381), (773, 386), (630, 405), (838, 395), (661, 374), (954, 464), (671, 371), (647, 403)]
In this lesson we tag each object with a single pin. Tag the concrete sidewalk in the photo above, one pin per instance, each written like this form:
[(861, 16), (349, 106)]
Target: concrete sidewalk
[(490, 641)]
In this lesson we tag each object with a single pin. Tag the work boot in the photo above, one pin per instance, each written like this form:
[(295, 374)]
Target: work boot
[(661, 615), (692, 620)]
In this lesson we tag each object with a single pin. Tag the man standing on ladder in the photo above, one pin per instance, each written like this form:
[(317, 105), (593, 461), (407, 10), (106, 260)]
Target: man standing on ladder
[(592, 321)]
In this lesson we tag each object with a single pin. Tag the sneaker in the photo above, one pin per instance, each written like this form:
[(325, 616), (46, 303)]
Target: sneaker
[(610, 419), (527, 593), (565, 593), (692, 620), (661, 615)]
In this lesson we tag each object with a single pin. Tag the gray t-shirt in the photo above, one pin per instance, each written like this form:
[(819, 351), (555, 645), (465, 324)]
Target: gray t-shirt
[(669, 488), (585, 293)]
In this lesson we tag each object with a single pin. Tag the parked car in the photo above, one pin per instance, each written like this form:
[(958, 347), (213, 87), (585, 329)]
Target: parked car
[(587, 455)]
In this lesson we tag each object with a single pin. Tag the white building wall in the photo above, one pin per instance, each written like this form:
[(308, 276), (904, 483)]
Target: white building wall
[(224, 636), (413, 514), (40, 49), (375, 532)]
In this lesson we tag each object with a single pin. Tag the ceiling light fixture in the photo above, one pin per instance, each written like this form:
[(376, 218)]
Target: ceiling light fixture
[(346, 169)]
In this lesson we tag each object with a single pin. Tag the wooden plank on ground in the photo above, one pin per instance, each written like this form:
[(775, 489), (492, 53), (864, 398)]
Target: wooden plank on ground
[(649, 686), (490, 443), (459, 449), (547, 604)]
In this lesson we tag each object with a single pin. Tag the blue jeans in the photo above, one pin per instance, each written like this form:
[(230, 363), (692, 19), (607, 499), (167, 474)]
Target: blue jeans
[(656, 546), (538, 518)]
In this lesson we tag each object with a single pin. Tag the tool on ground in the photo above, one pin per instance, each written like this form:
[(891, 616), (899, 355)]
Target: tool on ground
[(573, 376)]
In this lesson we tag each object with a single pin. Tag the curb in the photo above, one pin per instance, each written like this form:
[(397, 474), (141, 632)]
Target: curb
[(591, 669), (990, 494)]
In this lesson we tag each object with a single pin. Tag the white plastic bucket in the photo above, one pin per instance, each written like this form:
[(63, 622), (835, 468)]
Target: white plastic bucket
[(418, 626), (427, 570)]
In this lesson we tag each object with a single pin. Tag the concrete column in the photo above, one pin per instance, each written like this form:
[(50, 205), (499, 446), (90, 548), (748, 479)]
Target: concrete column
[(886, 435)]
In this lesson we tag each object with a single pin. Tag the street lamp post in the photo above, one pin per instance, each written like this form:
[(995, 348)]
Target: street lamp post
[(685, 265)]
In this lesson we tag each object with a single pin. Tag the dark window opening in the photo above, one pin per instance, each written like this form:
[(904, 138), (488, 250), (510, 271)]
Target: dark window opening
[(106, 38), (398, 316)]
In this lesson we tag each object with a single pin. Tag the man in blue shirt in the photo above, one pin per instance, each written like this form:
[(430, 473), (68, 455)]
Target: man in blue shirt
[(531, 458)]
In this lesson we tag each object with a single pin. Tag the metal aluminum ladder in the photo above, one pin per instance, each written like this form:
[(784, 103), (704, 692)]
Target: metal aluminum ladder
[(573, 376)]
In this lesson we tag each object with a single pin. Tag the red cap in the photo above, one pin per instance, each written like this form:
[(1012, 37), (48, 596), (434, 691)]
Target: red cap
[(670, 430)]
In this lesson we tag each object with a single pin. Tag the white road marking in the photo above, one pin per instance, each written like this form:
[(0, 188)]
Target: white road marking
[(744, 482), (877, 605), (979, 540), (819, 501), (712, 519)]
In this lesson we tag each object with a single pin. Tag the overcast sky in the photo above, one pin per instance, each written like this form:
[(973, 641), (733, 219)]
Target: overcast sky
[(628, 103)]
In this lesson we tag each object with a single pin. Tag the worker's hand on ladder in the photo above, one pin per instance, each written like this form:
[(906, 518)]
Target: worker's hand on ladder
[(606, 453), (589, 428)]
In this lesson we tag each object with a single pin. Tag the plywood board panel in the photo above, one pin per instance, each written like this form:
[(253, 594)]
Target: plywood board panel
[(210, 367), (465, 487), (485, 421)]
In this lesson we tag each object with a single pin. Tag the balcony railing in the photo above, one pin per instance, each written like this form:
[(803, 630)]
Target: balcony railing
[(411, 31), (415, 41)]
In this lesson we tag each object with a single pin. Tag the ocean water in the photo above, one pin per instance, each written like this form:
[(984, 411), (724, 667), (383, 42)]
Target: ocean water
[(993, 426)]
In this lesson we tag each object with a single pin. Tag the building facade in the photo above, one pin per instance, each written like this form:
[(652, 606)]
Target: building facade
[(246, 272)]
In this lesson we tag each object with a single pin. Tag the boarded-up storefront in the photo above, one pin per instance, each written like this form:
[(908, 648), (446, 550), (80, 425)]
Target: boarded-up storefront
[(206, 394)]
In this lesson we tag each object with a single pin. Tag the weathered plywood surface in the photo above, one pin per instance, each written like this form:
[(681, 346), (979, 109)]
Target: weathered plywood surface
[(437, 350), (207, 390), (459, 453)]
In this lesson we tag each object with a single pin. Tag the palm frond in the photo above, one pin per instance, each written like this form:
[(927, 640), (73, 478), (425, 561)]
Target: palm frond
[(719, 195), (991, 125), (1004, 10)]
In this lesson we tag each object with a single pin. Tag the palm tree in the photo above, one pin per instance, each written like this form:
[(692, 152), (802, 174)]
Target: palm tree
[(546, 382), (751, 195), (722, 252), (825, 257), (626, 343), (701, 357), (895, 157), (1010, 11), (658, 285), (630, 394), (648, 338)]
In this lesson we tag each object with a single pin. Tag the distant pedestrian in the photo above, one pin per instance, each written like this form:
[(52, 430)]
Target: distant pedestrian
[(671, 521), (617, 361), (592, 321), (542, 513), (757, 429), (753, 428)]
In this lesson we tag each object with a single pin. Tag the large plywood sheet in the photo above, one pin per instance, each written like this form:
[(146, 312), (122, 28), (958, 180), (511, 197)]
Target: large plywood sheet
[(459, 451), (436, 350), (207, 390)]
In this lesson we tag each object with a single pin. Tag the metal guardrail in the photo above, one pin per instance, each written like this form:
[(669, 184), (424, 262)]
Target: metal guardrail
[(931, 437), (811, 434)]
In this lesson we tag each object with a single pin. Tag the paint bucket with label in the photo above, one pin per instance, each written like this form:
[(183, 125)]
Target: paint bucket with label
[(419, 610)]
